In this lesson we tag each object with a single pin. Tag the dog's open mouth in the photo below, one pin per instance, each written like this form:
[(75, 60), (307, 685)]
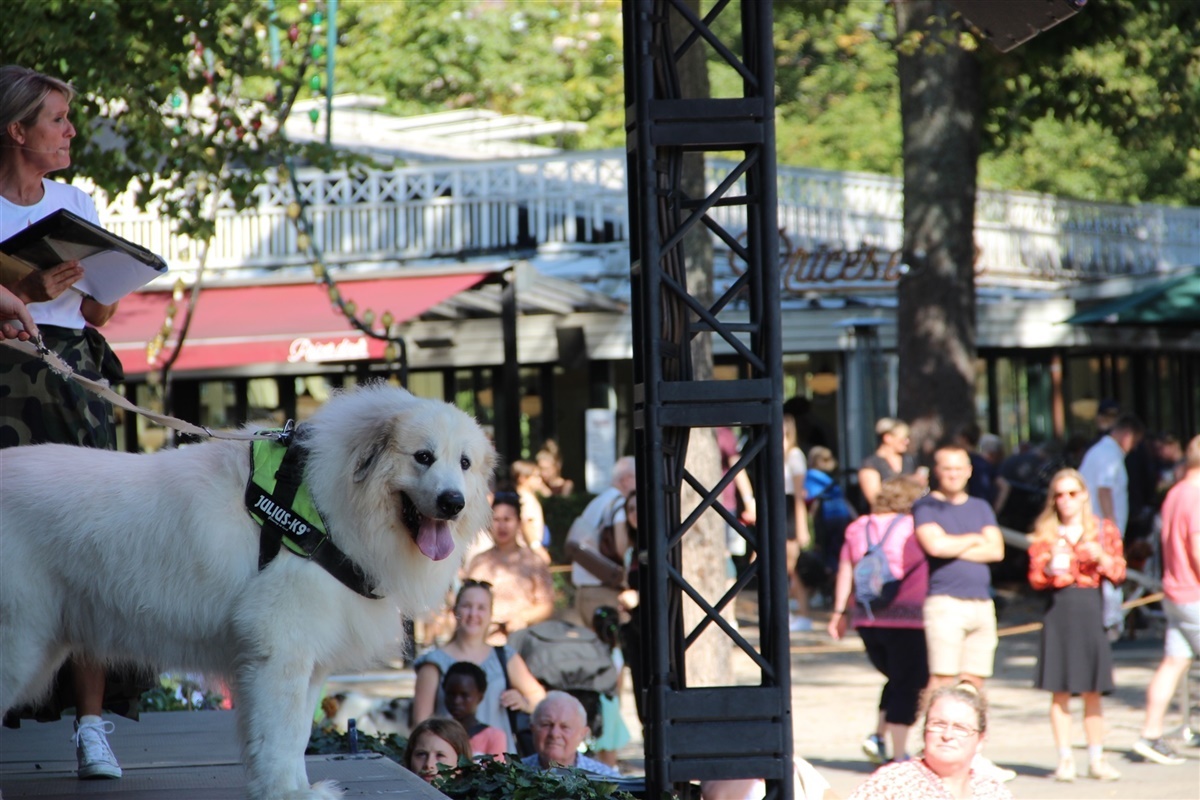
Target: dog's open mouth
[(432, 536)]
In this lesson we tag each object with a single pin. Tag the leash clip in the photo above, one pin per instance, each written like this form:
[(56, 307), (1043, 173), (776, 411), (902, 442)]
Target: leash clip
[(281, 436), (40, 344), (284, 437)]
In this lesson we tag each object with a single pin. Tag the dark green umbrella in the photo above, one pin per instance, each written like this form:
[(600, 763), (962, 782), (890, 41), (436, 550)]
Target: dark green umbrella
[(1174, 302)]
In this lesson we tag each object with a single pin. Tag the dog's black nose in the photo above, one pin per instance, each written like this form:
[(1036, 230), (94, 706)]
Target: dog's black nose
[(450, 503)]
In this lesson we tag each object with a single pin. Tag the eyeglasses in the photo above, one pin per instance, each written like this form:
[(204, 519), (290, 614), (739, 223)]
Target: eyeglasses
[(954, 729), (1068, 493)]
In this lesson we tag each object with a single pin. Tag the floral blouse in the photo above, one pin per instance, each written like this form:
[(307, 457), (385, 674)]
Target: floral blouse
[(1082, 572), (912, 780)]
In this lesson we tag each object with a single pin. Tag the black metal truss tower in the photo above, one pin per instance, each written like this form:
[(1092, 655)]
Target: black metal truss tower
[(695, 733)]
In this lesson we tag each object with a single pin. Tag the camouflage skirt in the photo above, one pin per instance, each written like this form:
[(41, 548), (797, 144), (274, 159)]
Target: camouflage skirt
[(38, 406)]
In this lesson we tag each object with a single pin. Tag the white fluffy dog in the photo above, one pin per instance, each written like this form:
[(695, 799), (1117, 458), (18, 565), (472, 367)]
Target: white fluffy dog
[(153, 559)]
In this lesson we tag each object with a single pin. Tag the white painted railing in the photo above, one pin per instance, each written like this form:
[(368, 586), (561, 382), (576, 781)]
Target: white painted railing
[(838, 227)]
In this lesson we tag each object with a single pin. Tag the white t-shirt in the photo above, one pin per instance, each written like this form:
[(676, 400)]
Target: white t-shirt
[(1104, 465), (795, 467), (63, 310), (596, 512)]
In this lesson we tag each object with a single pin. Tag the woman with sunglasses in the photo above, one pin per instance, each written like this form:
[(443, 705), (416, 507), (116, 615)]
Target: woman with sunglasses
[(955, 730), (1070, 553), (473, 621)]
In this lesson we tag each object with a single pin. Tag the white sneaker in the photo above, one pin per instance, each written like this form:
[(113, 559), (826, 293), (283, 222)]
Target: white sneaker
[(1158, 751), (874, 748), (798, 624), (94, 756)]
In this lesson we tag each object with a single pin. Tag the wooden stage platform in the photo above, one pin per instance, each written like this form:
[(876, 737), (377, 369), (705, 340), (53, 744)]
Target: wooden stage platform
[(176, 755)]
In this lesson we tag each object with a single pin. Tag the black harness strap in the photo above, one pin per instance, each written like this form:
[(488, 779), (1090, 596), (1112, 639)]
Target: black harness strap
[(316, 548)]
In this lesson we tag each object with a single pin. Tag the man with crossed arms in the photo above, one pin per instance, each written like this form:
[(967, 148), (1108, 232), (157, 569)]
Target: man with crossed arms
[(960, 538)]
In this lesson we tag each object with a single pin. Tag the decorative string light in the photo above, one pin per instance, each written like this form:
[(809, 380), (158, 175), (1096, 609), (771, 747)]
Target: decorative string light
[(366, 321)]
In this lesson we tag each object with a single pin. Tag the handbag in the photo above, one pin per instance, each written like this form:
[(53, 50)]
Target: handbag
[(519, 721)]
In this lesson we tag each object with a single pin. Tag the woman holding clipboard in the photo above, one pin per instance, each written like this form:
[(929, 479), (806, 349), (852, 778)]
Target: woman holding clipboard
[(36, 405)]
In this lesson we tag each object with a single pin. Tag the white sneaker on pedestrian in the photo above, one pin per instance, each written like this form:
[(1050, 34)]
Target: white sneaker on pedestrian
[(95, 758), (1157, 750), (798, 624), (874, 748)]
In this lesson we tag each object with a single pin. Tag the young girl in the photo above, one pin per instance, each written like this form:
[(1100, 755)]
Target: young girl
[(464, 686), (434, 742)]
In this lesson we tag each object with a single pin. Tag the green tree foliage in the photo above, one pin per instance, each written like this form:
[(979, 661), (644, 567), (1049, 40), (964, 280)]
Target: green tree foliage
[(836, 89), (559, 59), (1107, 100), (177, 100), (1101, 107)]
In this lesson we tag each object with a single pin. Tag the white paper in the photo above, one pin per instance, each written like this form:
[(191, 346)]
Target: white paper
[(110, 275)]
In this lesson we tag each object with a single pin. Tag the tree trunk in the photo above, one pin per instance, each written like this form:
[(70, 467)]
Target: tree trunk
[(940, 115), (704, 547)]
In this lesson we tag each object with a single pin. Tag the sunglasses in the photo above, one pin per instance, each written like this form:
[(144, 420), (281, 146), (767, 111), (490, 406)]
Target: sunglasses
[(1068, 493), (471, 583)]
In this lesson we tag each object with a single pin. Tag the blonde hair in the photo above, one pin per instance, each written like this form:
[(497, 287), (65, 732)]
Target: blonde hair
[(886, 425), (964, 692), (521, 470), (23, 91), (1045, 527), (822, 458)]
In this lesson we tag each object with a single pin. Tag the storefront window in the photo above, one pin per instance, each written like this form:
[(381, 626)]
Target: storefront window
[(311, 393), (218, 404), (1082, 387), (1012, 401), (263, 402), (531, 410), (473, 393), (430, 385)]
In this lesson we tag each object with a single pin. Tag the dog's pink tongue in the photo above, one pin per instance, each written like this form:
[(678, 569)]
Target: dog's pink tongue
[(434, 539)]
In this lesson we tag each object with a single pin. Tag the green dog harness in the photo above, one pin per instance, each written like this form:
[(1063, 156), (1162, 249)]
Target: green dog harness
[(278, 499)]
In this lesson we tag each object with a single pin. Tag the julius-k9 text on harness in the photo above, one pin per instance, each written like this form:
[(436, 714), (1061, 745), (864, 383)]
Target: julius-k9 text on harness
[(278, 499)]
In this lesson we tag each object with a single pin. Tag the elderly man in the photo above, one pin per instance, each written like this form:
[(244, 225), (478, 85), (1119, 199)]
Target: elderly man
[(559, 726)]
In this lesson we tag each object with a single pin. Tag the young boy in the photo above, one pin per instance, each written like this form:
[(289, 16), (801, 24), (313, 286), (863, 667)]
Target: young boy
[(464, 686)]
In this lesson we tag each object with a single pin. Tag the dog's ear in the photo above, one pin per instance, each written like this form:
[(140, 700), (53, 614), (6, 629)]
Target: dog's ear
[(363, 468)]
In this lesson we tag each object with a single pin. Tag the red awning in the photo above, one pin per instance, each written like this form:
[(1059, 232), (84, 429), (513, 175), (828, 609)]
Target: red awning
[(276, 324)]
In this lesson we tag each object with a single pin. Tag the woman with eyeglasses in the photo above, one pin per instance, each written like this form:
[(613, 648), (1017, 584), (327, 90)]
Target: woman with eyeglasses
[(1071, 552), (955, 730), (511, 686), (522, 589)]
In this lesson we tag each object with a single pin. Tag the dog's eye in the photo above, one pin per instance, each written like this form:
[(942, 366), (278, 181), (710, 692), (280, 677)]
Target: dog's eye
[(465, 463), (424, 458)]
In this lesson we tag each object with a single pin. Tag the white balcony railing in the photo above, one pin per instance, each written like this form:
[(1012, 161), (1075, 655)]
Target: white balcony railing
[(838, 227)]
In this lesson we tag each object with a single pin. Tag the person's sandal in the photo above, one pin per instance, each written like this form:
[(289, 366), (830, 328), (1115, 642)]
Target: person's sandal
[(1103, 771)]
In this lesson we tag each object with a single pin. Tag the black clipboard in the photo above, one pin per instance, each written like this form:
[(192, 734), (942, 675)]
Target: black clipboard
[(113, 266)]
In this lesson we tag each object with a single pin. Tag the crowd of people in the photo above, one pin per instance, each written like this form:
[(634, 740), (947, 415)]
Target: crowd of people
[(937, 628), (933, 635)]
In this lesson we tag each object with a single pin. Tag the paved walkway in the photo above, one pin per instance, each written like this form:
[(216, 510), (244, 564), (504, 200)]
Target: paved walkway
[(835, 696)]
